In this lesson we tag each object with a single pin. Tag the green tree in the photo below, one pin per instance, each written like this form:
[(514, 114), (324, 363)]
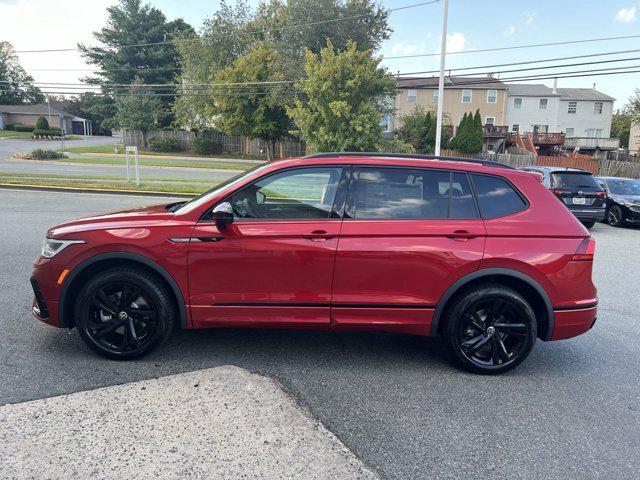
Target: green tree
[(154, 62), (419, 130), (16, 86), (254, 114), (343, 100), (140, 109), (468, 137), (621, 127)]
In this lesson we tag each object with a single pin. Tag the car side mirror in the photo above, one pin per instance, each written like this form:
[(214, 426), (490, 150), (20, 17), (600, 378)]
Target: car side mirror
[(223, 215)]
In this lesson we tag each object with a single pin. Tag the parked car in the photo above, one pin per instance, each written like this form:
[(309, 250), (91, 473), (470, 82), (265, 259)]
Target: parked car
[(476, 252), (623, 200), (577, 189)]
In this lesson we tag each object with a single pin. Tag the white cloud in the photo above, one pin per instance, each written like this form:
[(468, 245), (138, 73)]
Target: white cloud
[(43, 24), (457, 42), (510, 30), (408, 48), (529, 17), (626, 15)]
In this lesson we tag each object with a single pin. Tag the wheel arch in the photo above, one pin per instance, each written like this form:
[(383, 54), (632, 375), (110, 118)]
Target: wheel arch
[(521, 282), (74, 281)]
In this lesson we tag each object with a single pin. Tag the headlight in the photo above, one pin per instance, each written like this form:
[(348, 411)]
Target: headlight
[(52, 246)]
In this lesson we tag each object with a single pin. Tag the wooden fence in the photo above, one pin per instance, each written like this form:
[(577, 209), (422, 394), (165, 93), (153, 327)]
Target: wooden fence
[(590, 164), (233, 145)]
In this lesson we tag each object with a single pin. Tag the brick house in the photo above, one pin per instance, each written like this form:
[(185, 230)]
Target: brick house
[(28, 115)]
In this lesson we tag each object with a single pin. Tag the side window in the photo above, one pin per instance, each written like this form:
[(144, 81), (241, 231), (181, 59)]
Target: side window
[(407, 193), (300, 194), (496, 197)]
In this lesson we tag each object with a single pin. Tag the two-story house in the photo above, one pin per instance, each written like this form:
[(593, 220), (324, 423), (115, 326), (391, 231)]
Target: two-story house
[(461, 95), (583, 115)]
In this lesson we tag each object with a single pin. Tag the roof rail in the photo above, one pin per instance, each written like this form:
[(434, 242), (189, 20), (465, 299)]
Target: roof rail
[(415, 156)]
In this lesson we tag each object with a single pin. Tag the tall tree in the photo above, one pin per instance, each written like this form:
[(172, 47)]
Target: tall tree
[(16, 86), (621, 127), (633, 106), (150, 59), (419, 130), (253, 113), (343, 100), (139, 110)]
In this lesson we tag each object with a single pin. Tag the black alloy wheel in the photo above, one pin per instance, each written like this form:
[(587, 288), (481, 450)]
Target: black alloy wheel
[(491, 330), (124, 313), (615, 217)]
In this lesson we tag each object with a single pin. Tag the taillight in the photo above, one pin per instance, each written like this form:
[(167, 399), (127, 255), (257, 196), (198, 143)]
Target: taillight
[(585, 251), (602, 194), (555, 191)]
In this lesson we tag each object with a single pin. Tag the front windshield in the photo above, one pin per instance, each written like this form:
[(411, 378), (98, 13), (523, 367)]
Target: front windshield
[(204, 197), (624, 187)]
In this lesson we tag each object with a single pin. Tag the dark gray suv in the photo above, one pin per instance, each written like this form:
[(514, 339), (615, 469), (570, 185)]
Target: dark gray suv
[(577, 189)]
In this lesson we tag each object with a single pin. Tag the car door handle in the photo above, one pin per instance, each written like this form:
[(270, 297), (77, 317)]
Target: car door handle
[(318, 236), (461, 235)]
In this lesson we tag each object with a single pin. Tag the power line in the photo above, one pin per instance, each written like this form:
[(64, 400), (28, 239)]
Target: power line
[(299, 25), (514, 47)]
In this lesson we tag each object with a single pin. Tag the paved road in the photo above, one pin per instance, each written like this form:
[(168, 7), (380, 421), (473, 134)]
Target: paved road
[(9, 146), (571, 411)]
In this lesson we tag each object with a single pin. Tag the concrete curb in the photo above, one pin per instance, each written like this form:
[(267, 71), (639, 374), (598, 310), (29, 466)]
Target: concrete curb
[(52, 188)]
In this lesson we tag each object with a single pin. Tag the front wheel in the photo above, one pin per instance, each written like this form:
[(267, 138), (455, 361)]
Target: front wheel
[(124, 313), (490, 329), (615, 217)]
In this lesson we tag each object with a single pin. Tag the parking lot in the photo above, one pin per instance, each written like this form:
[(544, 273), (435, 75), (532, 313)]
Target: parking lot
[(572, 410)]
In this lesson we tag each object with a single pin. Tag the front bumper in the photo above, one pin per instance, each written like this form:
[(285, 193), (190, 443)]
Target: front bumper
[(43, 310)]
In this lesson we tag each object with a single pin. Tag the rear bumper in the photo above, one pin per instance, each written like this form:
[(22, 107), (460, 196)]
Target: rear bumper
[(573, 322), (589, 214)]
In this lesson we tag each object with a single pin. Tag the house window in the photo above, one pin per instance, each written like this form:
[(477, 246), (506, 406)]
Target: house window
[(568, 132), (489, 120), (466, 96), (597, 108), (540, 128), (492, 96), (517, 103), (516, 128), (573, 106), (435, 96), (412, 94), (543, 103)]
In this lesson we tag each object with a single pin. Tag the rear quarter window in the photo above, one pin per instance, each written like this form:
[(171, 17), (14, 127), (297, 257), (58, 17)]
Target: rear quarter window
[(496, 196)]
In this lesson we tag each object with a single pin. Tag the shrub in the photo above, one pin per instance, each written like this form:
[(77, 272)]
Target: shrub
[(9, 126), (206, 146), (42, 123), (396, 145), (39, 154), (23, 128), (52, 132), (164, 144)]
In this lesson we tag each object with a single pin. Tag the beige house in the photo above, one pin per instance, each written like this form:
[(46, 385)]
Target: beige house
[(634, 139), (461, 95), (28, 115)]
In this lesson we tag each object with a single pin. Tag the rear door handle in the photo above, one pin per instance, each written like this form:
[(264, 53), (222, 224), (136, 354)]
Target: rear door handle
[(318, 236), (461, 235)]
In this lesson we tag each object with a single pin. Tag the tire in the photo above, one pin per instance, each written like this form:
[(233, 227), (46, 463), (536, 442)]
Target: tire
[(615, 217), (589, 225), (125, 312), (490, 329)]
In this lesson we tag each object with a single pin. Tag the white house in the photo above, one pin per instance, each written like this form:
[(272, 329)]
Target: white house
[(576, 112)]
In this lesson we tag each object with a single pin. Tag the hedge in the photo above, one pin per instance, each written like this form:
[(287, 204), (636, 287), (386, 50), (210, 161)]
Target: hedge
[(52, 132), (23, 128), (165, 144), (205, 146)]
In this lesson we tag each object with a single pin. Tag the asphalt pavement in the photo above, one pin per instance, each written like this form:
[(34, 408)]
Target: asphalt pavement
[(572, 410)]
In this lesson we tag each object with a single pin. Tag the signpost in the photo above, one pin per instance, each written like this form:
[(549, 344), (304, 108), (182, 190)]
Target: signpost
[(134, 151)]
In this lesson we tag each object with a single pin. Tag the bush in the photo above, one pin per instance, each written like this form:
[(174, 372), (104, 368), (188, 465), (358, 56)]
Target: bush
[(42, 123), (10, 126), (23, 128), (396, 145), (52, 132), (164, 144), (206, 146), (39, 154)]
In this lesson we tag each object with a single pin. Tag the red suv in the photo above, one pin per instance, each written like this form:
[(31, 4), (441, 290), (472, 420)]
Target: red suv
[(479, 253)]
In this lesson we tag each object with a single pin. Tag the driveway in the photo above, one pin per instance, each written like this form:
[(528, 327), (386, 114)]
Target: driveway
[(572, 410)]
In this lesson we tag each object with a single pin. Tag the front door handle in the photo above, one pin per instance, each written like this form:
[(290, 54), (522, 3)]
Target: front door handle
[(461, 235), (319, 236)]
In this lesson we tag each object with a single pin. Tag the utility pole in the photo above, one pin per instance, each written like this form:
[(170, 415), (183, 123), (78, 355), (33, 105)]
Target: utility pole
[(443, 51)]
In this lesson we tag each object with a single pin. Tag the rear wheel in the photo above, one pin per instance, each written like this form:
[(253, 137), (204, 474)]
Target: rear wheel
[(490, 329), (124, 313), (615, 217)]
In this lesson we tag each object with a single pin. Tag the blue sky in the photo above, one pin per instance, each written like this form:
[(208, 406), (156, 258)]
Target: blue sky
[(473, 24), (495, 23)]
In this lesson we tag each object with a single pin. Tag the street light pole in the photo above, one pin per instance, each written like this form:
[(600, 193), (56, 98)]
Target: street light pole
[(443, 51)]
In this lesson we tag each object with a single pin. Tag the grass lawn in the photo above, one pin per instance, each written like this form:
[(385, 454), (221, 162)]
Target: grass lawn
[(142, 151), (102, 184), (152, 162), (12, 134)]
